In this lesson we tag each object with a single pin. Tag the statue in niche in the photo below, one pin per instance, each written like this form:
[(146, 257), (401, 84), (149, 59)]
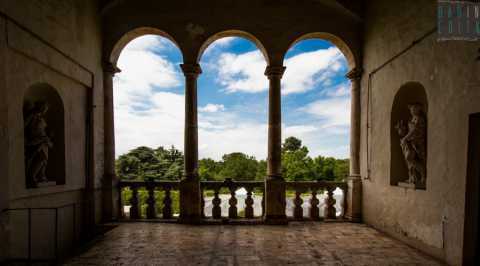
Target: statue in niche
[(37, 144), (413, 144)]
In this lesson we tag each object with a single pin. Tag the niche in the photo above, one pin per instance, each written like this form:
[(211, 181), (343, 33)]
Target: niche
[(44, 136), (408, 137)]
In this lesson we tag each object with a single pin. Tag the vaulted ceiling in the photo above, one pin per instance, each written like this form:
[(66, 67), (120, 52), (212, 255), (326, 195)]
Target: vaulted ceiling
[(355, 7)]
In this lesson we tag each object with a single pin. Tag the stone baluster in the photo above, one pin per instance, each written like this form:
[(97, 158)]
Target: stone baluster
[(202, 202), (263, 203), (121, 203), (298, 210), (249, 204), (134, 210), (167, 203), (232, 210), (216, 209), (330, 211), (314, 210), (151, 208)]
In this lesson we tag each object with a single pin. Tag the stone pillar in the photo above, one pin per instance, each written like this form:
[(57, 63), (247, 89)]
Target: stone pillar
[(354, 194), (190, 200), (110, 180), (275, 202)]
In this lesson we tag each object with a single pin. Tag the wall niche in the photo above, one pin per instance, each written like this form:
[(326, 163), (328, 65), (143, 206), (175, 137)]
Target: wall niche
[(408, 137), (44, 136)]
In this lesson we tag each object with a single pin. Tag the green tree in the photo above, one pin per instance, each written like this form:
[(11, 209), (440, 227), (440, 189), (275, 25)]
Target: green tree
[(261, 170), (291, 144), (238, 166), (208, 169)]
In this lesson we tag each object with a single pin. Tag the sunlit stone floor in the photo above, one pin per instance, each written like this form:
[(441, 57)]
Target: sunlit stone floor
[(308, 243)]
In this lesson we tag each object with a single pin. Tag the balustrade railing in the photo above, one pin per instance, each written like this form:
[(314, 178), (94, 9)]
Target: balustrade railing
[(316, 190), (155, 190), (155, 200), (251, 188)]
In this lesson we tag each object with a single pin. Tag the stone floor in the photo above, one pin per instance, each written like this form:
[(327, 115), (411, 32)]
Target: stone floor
[(307, 243)]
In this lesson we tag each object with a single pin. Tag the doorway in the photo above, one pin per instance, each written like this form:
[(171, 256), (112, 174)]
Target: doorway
[(471, 244)]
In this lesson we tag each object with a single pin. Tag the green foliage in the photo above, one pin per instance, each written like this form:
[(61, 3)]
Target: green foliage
[(238, 166), (291, 144), (298, 166), (143, 164)]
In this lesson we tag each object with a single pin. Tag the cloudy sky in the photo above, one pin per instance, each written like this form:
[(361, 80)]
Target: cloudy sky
[(232, 98)]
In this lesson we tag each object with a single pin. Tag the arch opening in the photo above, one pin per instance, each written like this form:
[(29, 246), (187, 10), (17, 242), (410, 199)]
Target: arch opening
[(134, 34), (232, 119), (232, 34), (316, 119), (335, 40)]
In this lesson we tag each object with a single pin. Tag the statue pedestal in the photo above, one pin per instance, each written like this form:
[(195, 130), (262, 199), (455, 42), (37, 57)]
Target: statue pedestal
[(47, 184), (406, 185)]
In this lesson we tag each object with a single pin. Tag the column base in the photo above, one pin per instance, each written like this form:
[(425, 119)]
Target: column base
[(190, 201), (275, 202), (354, 199), (110, 196)]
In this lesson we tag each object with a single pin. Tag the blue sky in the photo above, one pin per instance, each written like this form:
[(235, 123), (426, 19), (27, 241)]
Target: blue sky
[(232, 97)]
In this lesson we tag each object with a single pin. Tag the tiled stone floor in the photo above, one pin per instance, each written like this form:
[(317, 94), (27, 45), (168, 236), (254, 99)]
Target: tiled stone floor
[(296, 244)]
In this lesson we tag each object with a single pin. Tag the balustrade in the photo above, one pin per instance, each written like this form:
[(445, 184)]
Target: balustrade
[(321, 199), (151, 188), (232, 187), (313, 188)]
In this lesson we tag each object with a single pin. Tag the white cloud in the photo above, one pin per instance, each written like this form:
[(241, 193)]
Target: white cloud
[(333, 111), (220, 43), (306, 70), (212, 108), (142, 72), (146, 43), (341, 90), (243, 72), (161, 125), (143, 114), (321, 139)]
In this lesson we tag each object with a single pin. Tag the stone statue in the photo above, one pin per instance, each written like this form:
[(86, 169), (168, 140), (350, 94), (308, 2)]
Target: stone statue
[(37, 144), (413, 144)]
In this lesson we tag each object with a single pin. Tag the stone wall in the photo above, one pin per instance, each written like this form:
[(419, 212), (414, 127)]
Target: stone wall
[(430, 219), (56, 43)]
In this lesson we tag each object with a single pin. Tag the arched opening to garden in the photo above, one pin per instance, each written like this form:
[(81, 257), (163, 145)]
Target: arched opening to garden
[(232, 124), (149, 100), (316, 122)]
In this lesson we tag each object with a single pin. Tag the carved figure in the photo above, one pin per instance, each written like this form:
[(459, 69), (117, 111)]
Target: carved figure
[(413, 142), (37, 143)]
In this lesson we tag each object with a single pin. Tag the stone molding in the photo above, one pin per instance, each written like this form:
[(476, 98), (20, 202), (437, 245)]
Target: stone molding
[(275, 71), (191, 69), (355, 74)]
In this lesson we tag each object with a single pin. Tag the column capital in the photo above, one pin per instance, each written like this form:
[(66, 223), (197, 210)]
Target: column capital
[(354, 74), (272, 71), (110, 68), (191, 69)]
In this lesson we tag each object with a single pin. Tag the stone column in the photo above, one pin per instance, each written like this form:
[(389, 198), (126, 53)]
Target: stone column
[(190, 200), (110, 180), (354, 195), (275, 202)]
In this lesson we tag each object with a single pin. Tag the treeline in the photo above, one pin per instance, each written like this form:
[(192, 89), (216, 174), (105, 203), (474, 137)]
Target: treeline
[(144, 163)]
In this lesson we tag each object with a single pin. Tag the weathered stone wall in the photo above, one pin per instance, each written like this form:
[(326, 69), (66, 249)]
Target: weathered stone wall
[(58, 43), (430, 219)]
